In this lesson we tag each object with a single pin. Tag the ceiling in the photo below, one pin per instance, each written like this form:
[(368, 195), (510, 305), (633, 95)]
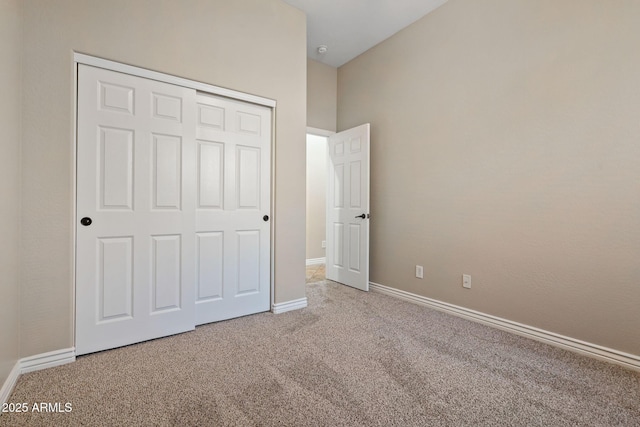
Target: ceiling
[(350, 27)]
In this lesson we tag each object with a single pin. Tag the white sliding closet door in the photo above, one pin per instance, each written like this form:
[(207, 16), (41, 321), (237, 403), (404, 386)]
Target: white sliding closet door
[(173, 209), (136, 192), (233, 208)]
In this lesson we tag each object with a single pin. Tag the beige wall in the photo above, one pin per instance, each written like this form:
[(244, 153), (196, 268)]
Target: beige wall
[(506, 145), (316, 195), (10, 34), (254, 46), (322, 83)]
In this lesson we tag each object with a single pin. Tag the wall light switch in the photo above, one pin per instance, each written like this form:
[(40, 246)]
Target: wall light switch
[(324, 244), (419, 272)]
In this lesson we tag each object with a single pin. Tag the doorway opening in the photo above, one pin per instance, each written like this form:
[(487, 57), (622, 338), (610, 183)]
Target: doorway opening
[(346, 204), (316, 199), (316, 194)]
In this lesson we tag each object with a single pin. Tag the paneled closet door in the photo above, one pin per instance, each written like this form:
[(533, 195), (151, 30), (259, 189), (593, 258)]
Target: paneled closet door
[(233, 210), (136, 198)]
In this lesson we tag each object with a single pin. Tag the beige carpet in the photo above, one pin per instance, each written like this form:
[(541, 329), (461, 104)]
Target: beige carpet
[(349, 359)]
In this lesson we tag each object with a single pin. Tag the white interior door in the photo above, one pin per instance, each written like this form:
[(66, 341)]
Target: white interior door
[(136, 186), (233, 209), (348, 208)]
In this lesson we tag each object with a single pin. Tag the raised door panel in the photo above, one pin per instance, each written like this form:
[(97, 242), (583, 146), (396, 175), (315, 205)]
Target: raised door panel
[(210, 175), (210, 257), (249, 123), (115, 279), (354, 247), (338, 245), (115, 158), (248, 170), (355, 188), (338, 186), (166, 277), (167, 172), (116, 98), (167, 107), (248, 261), (211, 116)]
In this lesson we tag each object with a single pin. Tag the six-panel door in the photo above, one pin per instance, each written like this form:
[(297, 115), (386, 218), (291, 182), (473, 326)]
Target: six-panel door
[(348, 208), (233, 240)]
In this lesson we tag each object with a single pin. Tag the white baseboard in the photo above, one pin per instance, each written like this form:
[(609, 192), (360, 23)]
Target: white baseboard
[(35, 363), (10, 383), (47, 360), (295, 304), (316, 261), (593, 350)]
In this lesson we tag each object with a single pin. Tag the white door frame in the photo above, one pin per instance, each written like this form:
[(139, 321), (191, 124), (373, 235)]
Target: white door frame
[(80, 58), (319, 132)]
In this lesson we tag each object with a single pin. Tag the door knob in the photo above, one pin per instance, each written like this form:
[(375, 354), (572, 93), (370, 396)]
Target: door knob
[(363, 216), (265, 218), (86, 221)]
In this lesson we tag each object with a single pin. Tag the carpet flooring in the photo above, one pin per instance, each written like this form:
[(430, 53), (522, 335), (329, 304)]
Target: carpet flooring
[(349, 359)]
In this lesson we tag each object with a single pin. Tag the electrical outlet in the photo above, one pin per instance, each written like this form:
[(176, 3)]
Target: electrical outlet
[(324, 244), (466, 281), (419, 272)]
